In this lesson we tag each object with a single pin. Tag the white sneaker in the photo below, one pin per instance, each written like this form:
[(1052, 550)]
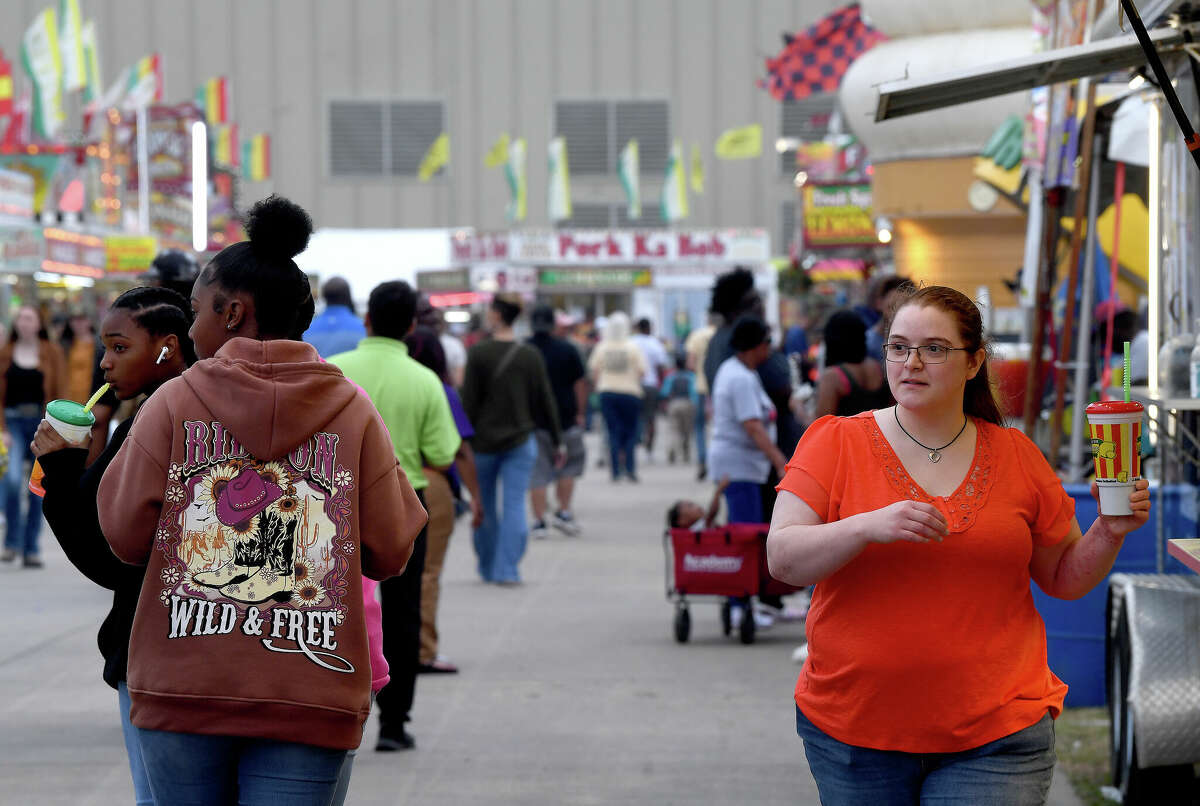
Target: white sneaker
[(763, 620), (539, 531), (735, 616), (565, 522), (800, 654)]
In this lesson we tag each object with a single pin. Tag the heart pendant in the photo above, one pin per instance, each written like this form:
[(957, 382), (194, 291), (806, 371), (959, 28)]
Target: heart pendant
[(935, 457)]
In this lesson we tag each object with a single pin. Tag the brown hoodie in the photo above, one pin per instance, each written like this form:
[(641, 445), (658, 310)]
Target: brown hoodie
[(257, 487)]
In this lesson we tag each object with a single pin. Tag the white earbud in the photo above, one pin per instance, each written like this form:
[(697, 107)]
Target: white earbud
[(162, 354)]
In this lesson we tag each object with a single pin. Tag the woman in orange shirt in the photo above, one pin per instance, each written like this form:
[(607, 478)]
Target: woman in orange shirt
[(921, 526)]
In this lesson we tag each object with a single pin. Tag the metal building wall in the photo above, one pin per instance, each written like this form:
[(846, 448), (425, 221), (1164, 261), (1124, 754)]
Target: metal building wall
[(498, 64)]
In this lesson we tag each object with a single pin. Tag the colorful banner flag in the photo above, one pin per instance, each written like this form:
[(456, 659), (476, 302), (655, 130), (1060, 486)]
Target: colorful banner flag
[(6, 86), (740, 144), (436, 158), (630, 173), (70, 45), (256, 158), (815, 61), (697, 170), (43, 63), (498, 154), (674, 205), (225, 145), (514, 172), (92, 89), (558, 195), (213, 98), (145, 82)]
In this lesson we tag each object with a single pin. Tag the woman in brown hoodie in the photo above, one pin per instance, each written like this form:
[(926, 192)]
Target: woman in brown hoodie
[(257, 488)]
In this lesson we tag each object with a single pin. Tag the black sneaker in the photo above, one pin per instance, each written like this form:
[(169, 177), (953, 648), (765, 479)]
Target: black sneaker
[(392, 742), (565, 522), (539, 530)]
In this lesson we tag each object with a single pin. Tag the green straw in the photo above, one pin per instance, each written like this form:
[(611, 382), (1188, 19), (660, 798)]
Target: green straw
[(1125, 375)]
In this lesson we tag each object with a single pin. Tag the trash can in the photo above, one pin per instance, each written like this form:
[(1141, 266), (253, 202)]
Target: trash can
[(1075, 630)]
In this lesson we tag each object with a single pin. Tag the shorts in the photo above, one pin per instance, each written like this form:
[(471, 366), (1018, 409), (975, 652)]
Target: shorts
[(544, 470)]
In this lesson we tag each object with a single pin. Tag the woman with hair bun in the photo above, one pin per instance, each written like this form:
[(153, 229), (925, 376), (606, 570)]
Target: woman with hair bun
[(258, 488), (921, 526)]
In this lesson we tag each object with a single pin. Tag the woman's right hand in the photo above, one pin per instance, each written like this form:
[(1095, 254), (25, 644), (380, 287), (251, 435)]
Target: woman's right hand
[(47, 440), (914, 521)]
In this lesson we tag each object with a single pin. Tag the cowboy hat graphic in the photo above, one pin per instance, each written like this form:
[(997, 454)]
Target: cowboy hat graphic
[(246, 495)]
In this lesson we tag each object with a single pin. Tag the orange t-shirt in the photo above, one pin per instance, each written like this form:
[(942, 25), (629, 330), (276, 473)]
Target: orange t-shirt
[(929, 648)]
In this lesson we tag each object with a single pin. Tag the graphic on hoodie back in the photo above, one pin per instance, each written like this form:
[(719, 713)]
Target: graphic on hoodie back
[(261, 547)]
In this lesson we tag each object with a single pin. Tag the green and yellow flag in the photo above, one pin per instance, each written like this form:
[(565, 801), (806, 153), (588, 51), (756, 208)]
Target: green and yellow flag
[(697, 173), (436, 158), (498, 154), (740, 144)]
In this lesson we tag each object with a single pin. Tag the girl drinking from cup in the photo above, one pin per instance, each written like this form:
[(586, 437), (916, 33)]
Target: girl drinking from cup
[(145, 337)]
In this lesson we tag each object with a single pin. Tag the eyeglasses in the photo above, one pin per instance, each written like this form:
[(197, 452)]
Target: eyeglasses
[(928, 353)]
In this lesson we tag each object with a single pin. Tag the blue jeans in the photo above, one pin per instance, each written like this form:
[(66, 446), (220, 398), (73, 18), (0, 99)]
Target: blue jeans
[(190, 769), (21, 535), (701, 423), (500, 539), (622, 415), (1015, 770), (743, 500), (137, 766)]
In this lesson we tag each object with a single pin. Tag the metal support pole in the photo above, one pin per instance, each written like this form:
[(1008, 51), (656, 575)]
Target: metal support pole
[(1087, 138), (143, 158), (1083, 347)]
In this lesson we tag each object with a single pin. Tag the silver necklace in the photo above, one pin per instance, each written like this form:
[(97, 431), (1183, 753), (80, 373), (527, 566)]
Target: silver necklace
[(935, 454)]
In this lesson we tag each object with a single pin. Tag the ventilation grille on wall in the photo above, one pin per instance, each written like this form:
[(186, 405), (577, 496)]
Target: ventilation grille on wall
[(596, 131), (590, 215), (376, 138), (806, 119), (787, 227)]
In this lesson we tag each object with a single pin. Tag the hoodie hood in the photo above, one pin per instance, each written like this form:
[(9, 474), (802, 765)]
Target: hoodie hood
[(271, 395)]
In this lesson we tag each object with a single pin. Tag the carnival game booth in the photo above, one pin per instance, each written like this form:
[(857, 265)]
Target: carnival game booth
[(663, 275)]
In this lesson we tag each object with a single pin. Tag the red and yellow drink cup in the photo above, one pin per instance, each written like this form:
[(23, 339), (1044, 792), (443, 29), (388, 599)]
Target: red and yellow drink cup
[(1116, 432)]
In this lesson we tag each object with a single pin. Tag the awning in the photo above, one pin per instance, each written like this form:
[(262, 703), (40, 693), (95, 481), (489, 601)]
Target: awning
[(909, 96)]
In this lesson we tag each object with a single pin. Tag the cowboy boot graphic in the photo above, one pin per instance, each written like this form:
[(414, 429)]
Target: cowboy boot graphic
[(242, 563), (273, 579)]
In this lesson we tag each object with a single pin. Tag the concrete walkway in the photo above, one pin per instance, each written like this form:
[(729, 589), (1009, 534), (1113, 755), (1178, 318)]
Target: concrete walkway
[(572, 689)]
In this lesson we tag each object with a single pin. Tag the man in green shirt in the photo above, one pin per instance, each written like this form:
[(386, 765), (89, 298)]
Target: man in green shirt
[(413, 405)]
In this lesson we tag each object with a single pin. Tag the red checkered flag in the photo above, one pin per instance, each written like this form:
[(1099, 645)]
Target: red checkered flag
[(815, 61)]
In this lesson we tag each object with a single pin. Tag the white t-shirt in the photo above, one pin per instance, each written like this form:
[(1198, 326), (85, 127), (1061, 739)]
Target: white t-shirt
[(655, 355), (456, 353), (738, 396)]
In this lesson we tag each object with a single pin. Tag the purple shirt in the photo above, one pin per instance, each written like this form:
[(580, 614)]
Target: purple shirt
[(465, 429)]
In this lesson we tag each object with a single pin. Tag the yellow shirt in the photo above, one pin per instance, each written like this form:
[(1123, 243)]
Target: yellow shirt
[(696, 347), (618, 367)]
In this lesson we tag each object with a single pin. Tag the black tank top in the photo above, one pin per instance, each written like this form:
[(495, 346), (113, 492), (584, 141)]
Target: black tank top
[(23, 386), (860, 399)]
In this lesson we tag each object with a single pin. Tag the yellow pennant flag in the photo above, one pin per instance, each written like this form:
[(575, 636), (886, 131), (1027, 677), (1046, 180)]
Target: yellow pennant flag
[(438, 156), (740, 144), (697, 171), (498, 154)]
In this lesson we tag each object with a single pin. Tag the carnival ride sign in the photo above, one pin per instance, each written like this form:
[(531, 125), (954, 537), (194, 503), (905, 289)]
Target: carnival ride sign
[(838, 215)]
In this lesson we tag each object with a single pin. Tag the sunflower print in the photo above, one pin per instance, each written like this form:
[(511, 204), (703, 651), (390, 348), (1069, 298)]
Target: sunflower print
[(211, 486), (287, 508), (302, 570), (307, 594), (245, 529), (275, 473)]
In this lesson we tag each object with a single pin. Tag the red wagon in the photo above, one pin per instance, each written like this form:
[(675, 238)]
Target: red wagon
[(721, 563)]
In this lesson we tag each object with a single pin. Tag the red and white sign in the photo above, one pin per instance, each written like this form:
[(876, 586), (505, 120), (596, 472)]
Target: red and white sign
[(620, 247), (16, 194)]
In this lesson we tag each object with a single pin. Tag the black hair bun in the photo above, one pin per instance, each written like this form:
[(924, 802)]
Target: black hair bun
[(278, 228)]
